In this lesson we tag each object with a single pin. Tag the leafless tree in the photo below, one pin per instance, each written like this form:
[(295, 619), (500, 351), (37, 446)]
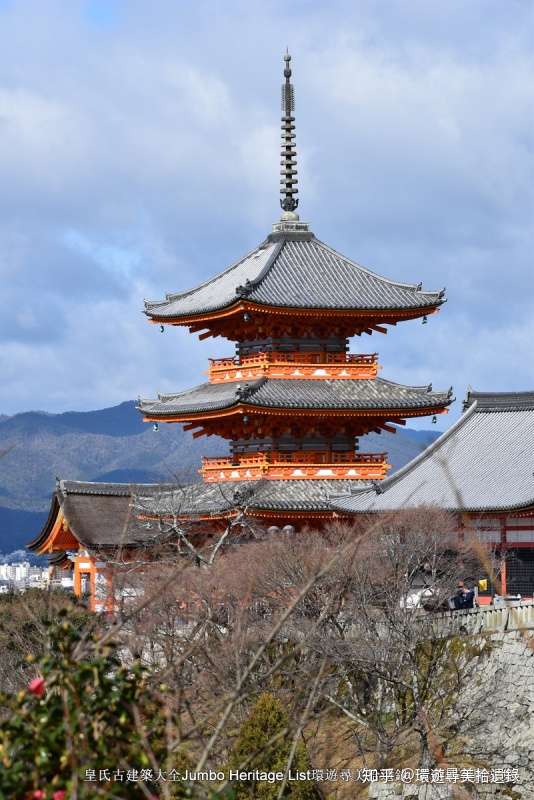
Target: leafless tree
[(343, 625), (399, 673)]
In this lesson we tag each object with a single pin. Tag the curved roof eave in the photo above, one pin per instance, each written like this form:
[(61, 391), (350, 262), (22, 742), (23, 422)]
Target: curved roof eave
[(37, 542), (245, 280), (299, 395)]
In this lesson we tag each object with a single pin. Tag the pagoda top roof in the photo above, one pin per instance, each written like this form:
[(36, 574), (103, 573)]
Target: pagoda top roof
[(293, 269), (484, 462), (279, 393)]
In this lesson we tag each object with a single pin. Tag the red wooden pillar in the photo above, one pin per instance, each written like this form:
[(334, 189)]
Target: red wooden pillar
[(504, 547)]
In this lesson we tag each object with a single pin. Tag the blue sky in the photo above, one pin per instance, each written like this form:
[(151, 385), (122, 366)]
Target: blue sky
[(139, 155)]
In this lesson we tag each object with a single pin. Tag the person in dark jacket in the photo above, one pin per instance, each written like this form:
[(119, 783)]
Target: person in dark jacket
[(464, 598), (458, 599)]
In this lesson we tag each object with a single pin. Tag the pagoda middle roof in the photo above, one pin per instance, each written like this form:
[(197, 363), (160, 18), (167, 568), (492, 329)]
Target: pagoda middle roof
[(295, 271), (303, 394)]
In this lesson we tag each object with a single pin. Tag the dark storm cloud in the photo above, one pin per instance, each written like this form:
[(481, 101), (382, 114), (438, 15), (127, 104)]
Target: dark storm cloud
[(138, 155)]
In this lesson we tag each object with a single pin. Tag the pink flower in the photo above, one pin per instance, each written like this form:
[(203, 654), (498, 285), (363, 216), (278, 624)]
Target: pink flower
[(38, 794), (37, 687), (61, 794)]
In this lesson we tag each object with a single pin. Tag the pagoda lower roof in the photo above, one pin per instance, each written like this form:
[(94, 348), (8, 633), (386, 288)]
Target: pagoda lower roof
[(375, 394), (110, 515), (253, 497), (297, 271), (484, 462)]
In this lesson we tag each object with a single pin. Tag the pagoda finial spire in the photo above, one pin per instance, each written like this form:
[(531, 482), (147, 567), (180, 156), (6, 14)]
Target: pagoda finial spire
[(288, 180)]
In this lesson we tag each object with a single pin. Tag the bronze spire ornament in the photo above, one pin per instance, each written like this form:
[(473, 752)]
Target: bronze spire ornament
[(288, 180)]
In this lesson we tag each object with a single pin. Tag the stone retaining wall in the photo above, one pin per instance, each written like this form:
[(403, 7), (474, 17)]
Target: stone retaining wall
[(505, 737)]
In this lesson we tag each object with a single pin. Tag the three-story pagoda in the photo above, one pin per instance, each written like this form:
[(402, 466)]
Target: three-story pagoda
[(293, 401)]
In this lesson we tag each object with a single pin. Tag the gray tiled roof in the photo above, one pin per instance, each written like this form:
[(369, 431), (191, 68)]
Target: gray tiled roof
[(303, 273), (485, 461), (292, 393), (98, 514), (104, 515), (216, 498)]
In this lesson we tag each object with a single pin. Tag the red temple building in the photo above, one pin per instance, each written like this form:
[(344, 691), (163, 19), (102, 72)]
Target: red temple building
[(292, 402)]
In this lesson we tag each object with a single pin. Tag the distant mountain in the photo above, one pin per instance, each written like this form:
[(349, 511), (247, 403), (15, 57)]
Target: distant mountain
[(17, 527), (114, 444)]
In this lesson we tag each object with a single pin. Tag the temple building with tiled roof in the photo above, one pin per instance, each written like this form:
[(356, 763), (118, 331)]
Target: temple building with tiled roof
[(481, 469), (88, 522), (292, 401)]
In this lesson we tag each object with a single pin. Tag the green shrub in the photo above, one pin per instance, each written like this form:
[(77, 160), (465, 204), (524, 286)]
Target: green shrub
[(259, 748), (83, 710)]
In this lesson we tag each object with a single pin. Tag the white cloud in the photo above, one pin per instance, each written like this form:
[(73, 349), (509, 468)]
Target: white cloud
[(139, 154)]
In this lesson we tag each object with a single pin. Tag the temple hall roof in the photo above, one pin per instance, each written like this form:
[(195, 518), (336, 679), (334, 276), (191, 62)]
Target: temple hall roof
[(298, 271), (484, 462), (98, 514), (303, 394)]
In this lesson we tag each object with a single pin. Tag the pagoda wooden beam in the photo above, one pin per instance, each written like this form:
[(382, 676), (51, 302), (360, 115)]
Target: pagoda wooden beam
[(379, 328), (386, 427)]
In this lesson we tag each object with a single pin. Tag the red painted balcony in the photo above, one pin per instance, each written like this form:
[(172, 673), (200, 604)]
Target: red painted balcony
[(298, 465), (294, 365)]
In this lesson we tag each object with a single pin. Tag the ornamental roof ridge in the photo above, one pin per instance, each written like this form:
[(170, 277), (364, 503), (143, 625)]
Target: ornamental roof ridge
[(70, 487), (488, 402), (426, 387), (253, 284)]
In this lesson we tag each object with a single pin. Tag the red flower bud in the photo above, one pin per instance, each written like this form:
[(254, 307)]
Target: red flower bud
[(37, 687), (38, 795), (61, 794)]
